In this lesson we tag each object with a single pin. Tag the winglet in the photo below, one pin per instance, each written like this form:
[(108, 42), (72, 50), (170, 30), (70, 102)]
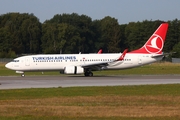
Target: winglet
[(123, 55), (100, 51)]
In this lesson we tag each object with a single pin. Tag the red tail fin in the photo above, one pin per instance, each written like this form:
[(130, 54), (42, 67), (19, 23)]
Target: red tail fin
[(156, 42)]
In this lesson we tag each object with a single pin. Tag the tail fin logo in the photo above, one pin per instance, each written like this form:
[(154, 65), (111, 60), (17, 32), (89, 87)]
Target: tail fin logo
[(155, 44)]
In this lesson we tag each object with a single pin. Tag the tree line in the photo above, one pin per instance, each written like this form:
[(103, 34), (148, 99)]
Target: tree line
[(23, 33)]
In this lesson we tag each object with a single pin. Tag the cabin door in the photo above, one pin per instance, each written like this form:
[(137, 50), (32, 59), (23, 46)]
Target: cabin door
[(27, 61)]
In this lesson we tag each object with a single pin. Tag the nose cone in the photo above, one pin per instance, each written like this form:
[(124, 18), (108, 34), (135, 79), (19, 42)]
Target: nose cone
[(8, 65)]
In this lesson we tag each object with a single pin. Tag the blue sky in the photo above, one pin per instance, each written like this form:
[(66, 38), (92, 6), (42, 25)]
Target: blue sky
[(124, 10)]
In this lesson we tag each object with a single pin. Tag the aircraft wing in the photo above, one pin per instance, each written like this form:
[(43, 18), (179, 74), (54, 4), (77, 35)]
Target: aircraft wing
[(104, 64), (97, 66)]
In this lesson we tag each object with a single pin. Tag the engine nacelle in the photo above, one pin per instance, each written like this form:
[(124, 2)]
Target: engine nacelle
[(73, 70)]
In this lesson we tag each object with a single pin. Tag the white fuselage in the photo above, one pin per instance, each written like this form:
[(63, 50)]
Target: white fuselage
[(57, 62)]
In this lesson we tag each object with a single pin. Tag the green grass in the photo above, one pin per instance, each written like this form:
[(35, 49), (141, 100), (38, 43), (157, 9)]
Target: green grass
[(46, 102), (170, 90)]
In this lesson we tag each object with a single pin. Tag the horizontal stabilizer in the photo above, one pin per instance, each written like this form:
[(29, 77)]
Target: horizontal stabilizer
[(156, 56)]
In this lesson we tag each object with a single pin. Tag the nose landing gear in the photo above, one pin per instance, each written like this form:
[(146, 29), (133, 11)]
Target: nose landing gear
[(21, 72)]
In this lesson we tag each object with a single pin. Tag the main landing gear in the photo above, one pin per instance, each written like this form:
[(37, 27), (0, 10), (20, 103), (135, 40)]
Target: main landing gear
[(88, 73)]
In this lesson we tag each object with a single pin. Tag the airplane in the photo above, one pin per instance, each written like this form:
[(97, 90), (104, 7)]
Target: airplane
[(150, 52)]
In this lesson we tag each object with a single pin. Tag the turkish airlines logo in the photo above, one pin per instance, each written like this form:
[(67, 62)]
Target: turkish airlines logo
[(155, 44)]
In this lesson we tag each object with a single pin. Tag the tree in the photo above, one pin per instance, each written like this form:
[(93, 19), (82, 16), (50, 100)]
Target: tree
[(73, 33), (48, 39), (110, 35), (176, 49), (24, 31), (82, 25), (68, 38), (5, 38), (173, 35)]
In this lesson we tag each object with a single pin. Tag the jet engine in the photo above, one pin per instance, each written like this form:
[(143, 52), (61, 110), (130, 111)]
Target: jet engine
[(73, 70)]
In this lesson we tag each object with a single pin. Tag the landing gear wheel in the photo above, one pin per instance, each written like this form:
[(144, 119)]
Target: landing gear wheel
[(88, 73), (85, 74), (22, 75)]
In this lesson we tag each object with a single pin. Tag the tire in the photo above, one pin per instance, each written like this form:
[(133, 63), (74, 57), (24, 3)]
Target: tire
[(22, 75), (90, 74)]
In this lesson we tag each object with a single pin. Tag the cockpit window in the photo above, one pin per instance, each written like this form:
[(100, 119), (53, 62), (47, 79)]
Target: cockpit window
[(15, 61)]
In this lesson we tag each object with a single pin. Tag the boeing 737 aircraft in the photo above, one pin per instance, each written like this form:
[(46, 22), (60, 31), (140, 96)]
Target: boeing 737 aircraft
[(150, 52)]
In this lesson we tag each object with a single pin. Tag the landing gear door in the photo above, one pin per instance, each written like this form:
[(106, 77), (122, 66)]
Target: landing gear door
[(27, 61)]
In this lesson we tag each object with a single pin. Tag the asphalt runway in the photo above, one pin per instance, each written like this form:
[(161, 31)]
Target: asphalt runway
[(17, 82)]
